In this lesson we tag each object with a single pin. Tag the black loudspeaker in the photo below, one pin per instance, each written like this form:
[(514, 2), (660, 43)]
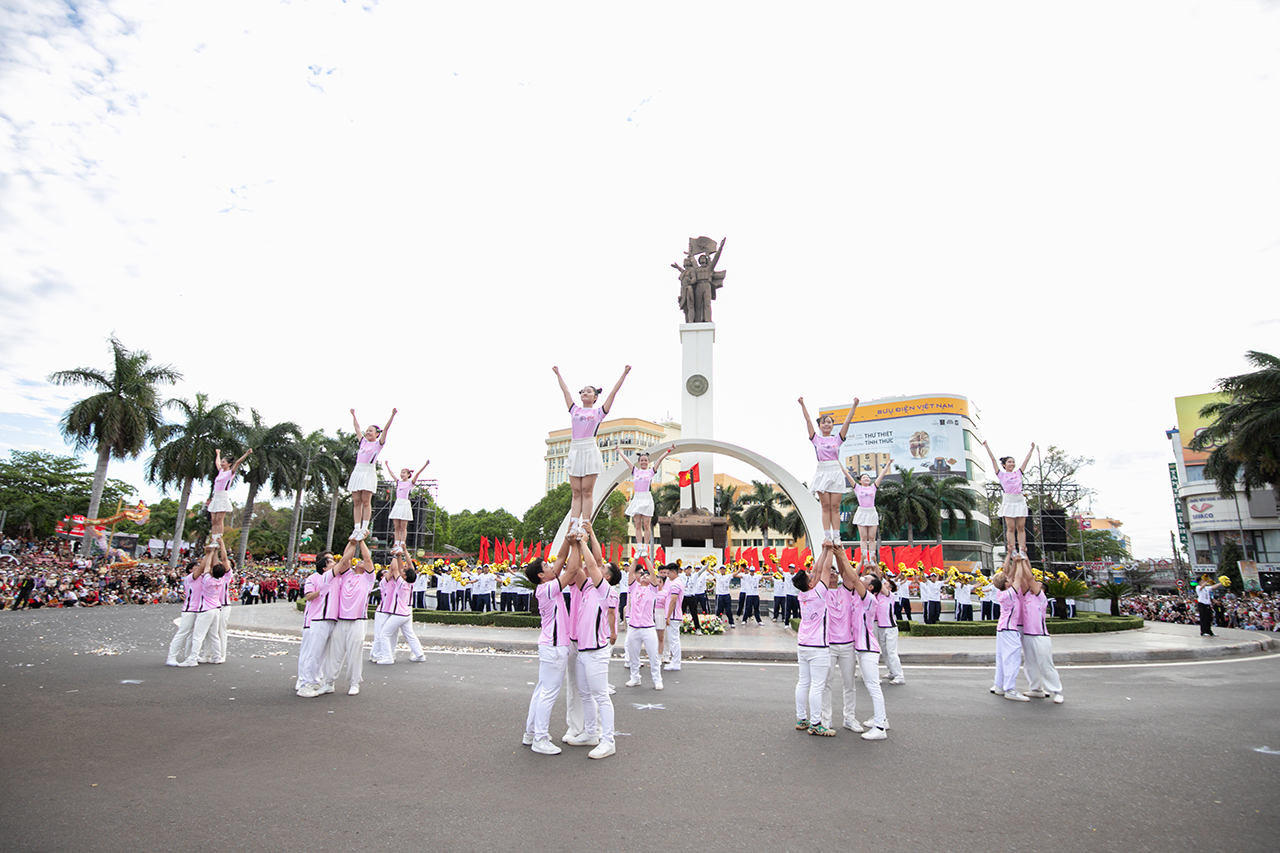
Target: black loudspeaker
[(1055, 529)]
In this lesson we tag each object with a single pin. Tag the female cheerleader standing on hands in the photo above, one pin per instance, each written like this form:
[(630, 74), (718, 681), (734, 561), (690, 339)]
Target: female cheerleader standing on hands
[(867, 518), (585, 462), (1013, 507), (402, 511), (828, 482), (364, 479), (640, 510), (220, 504)]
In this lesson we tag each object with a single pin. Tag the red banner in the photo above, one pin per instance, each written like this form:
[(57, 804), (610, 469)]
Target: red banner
[(689, 477)]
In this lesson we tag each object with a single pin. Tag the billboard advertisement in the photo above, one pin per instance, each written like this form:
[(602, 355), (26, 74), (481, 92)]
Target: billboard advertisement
[(922, 434), (1190, 423)]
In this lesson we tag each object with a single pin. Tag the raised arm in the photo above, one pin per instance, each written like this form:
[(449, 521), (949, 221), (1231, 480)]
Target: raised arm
[(382, 439), (995, 466), (595, 546), (590, 564), (883, 471), (844, 428), (217, 459), (1028, 459), (608, 401), (808, 421), (356, 424), (655, 461), (847, 575), (564, 389), (235, 466), (420, 470), (390, 473), (622, 455), (366, 559)]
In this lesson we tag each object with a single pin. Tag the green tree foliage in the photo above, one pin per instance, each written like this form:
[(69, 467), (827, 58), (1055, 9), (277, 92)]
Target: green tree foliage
[(542, 520), (1113, 592), (1229, 565), (953, 499), (467, 527), (122, 417), (610, 525), (275, 456), (908, 504), (1052, 482), (761, 509), (1243, 438), (38, 489)]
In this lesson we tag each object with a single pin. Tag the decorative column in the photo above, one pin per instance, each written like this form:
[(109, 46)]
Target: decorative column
[(697, 378)]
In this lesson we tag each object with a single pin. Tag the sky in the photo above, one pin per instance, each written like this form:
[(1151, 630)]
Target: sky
[(1068, 213)]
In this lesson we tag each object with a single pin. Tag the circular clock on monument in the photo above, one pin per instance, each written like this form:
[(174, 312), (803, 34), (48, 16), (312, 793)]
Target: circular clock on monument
[(697, 385)]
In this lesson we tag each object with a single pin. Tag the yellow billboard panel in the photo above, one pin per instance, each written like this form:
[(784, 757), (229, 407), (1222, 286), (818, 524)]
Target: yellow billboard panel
[(878, 410), (1190, 423)]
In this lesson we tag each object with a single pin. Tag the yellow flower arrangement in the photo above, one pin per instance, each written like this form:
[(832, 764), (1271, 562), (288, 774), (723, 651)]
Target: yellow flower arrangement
[(1224, 580)]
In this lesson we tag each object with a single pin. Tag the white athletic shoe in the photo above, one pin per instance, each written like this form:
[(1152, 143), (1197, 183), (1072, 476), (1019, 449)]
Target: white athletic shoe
[(328, 688), (309, 691), (418, 659), (854, 726), (996, 690), (545, 747), (189, 662), (604, 750), (898, 679), (527, 740), (1037, 694), (384, 662), (583, 739), (1016, 696), (874, 734), (634, 681), (657, 685), (670, 668), (171, 662), (354, 690), (1058, 699), (871, 723)]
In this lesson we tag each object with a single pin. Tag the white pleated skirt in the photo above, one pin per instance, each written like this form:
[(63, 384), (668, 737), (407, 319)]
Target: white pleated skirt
[(641, 504), (402, 510), (219, 502), (584, 458), (829, 478), (364, 478), (866, 517), (1013, 506)]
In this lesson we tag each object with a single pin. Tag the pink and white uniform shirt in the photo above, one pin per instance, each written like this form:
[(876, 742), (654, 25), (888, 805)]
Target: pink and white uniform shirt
[(826, 446), (866, 496), (640, 600), (368, 452), (585, 422), (211, 591), (555, 619), (1010, 481), (222, 481), (395, 597), (641, 478), (353, 590), (313, 610), (593, 616), (1010, 609), (675, 590), (840, 615), (1034, 607), (813, 618), (403, 487), (864, 622)]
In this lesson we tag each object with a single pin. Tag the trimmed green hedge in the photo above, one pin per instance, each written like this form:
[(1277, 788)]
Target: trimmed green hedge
[(465, 617), (1090, 624)]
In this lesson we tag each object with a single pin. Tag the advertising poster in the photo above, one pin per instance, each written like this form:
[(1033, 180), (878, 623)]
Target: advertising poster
[(922, 434), (1190, 423)]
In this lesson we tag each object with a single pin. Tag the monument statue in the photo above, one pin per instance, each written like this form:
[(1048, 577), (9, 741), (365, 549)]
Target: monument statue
[(699, 279)]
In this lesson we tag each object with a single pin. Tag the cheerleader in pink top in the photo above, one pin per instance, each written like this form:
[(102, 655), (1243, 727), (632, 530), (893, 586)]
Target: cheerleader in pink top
[(394, 603), (364, 479), (220, 504), (867, 518), (1013, 507), (641, 509), (585, 462), (828, 481), (402, 510)]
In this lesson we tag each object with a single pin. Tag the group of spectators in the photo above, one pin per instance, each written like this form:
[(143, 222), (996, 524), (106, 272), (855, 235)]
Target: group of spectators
[(1253, 612), (47, 574)]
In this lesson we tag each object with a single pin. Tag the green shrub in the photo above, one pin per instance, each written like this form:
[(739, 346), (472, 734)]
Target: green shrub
[(467, 617), (954, 629), (1073, 626), (904, 626)]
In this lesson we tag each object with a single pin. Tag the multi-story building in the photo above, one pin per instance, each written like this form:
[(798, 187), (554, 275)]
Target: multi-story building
[(1206, 520), (934, 435), (1111, 526)]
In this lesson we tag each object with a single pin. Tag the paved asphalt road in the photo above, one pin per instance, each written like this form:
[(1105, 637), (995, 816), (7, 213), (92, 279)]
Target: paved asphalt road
[(106, 749)]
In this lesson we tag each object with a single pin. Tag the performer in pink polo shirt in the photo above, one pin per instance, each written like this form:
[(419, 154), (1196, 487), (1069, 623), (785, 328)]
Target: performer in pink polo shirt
[(351, 587), (364, 478), (397, 585), (585, 462), (315, 630), (1013, 506), (220, 503), (191, 601), (828, 480), (812, 641), (867, 518), (1037, 648), (553, 647), (402, 510)]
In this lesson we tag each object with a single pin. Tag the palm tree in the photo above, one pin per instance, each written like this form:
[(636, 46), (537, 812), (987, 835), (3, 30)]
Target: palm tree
[(1243, 438), (726, 500), (334, 468), (186, 452), (953, 497), (907, 502), (315, 453), (760, 510), (275, 455), (121, 418)]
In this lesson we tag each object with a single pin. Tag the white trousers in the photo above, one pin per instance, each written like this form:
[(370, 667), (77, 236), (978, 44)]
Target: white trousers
[(205, 623), (648, 637), (1037, 657), (384, 638), (593, 687), (375, 653), (841, 672), (888, 640), (552, 662), (346, 644), (182, 639), (869, 663), (215, 644), (815, 664), (673, 640), (315, 642), (1008, 660), (574, 717)]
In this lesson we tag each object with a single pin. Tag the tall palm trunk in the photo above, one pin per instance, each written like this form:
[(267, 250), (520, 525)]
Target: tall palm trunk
[(911, 541), (176, 554), (95, 494), (245, 524), (333, 520)]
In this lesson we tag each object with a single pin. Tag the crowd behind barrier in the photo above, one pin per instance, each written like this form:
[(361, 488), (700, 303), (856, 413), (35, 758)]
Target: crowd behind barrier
[(1253, 612)]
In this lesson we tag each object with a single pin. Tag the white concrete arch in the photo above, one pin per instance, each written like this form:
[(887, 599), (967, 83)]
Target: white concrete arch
[(808, 506)]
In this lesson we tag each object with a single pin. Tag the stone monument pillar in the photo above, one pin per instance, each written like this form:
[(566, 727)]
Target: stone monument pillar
[(697, 379)]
